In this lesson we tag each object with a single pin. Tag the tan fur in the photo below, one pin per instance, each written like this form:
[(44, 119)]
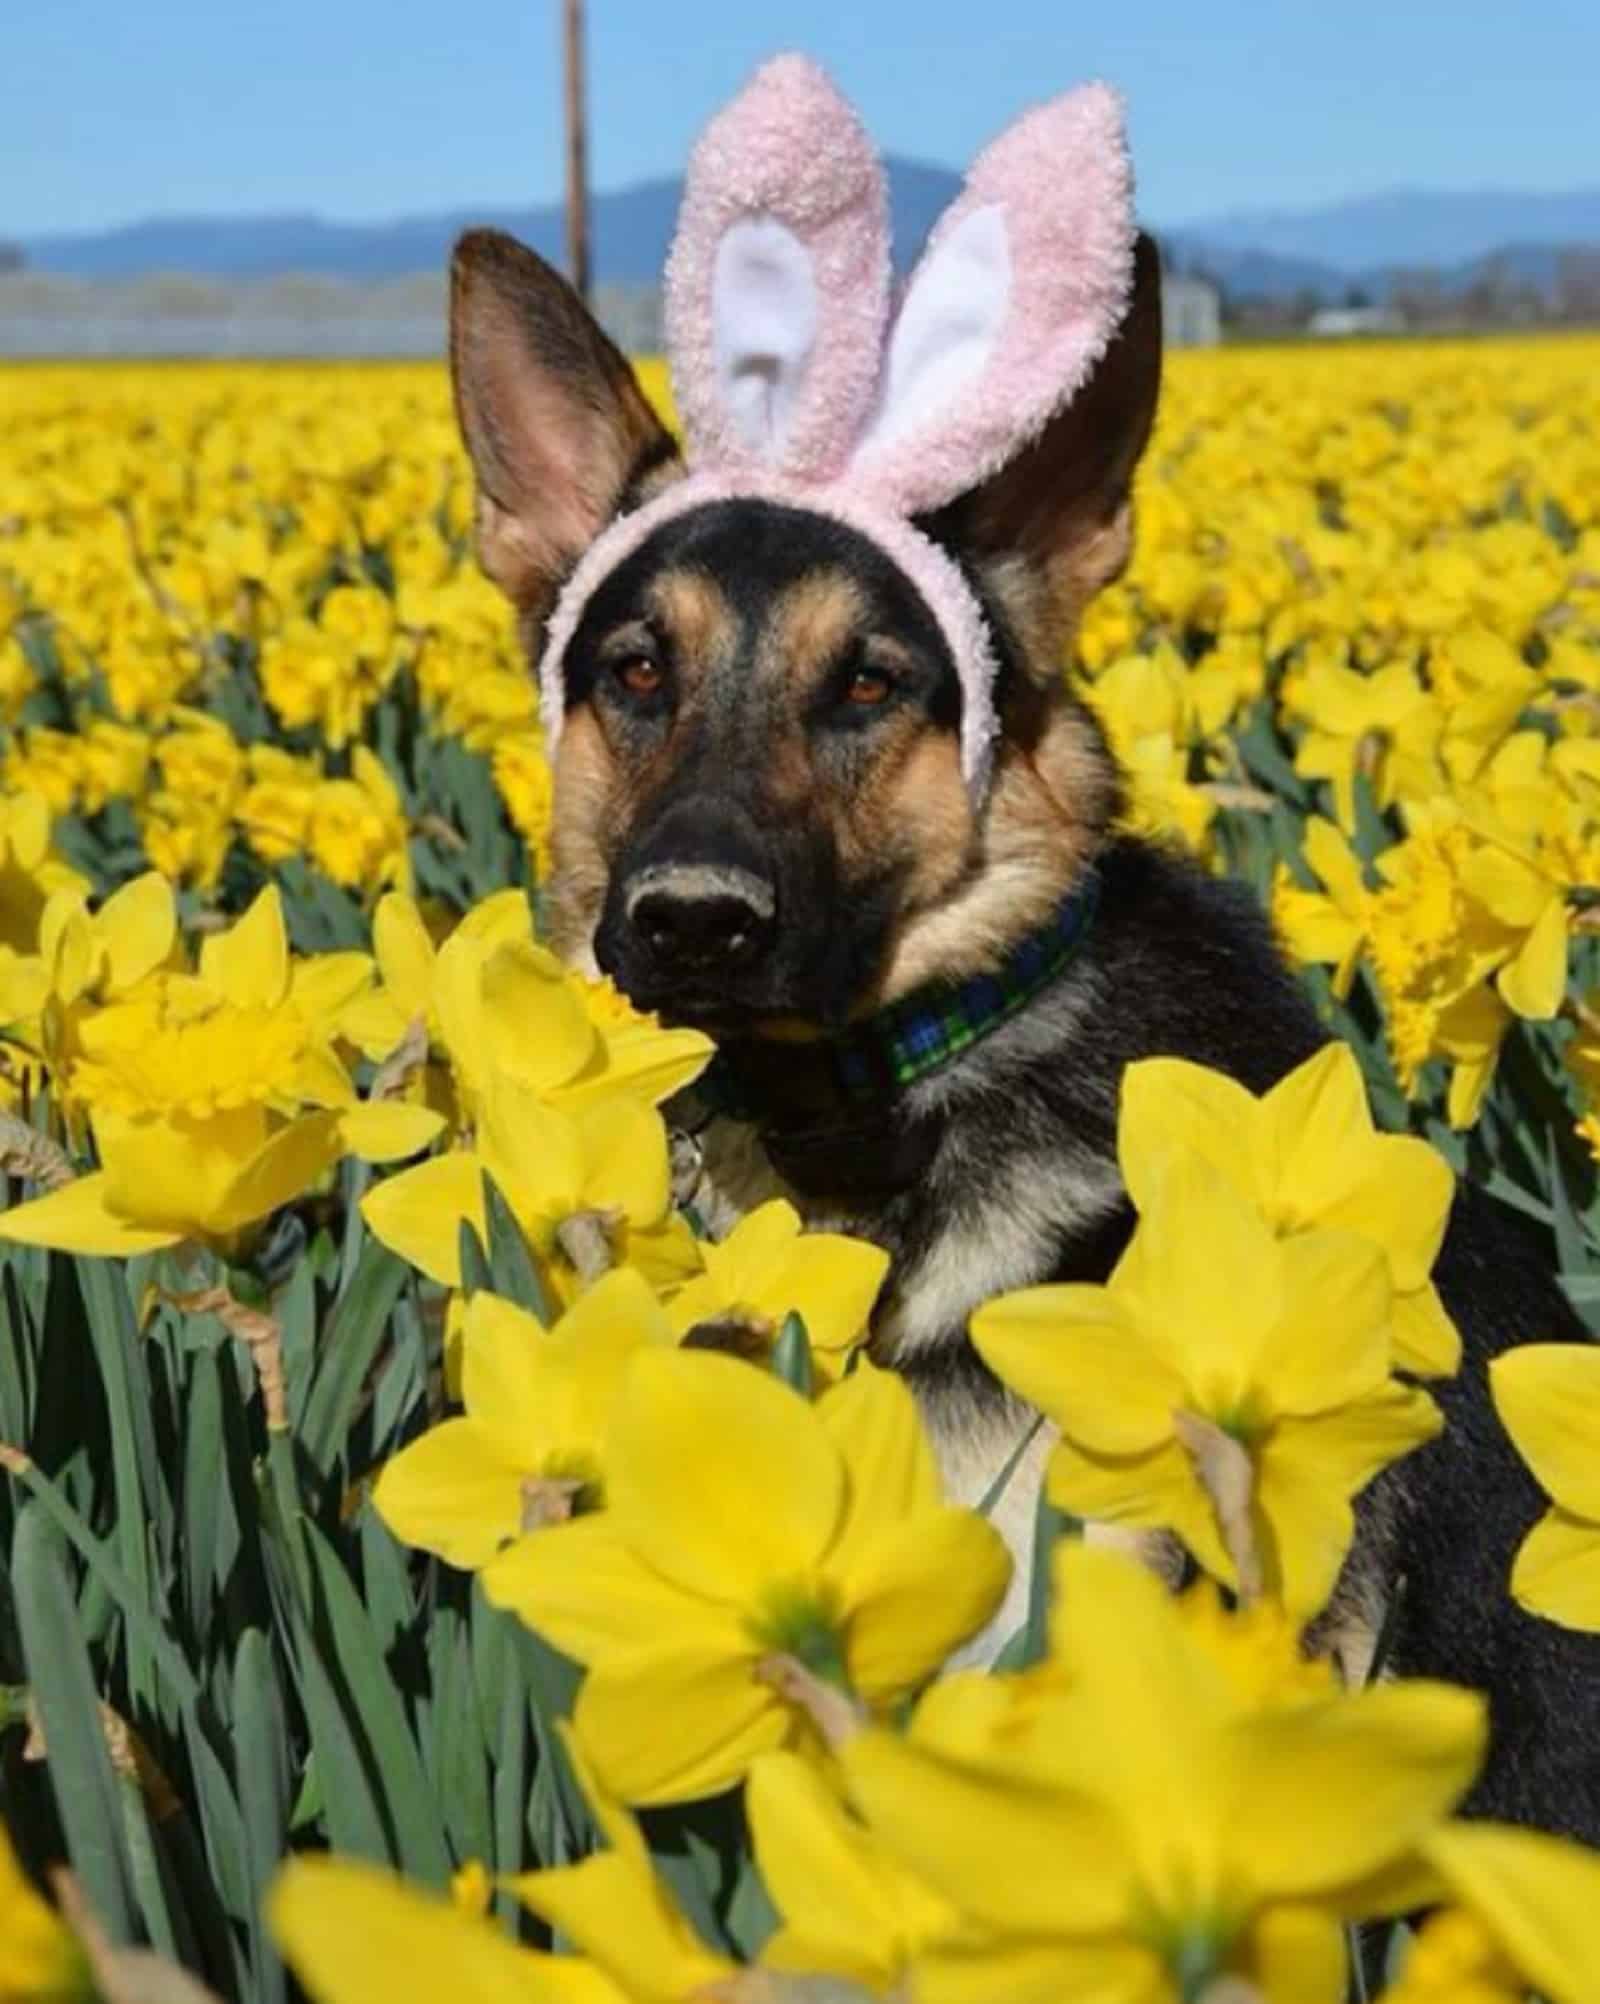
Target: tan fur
[(978, 890), (693, 612), (812, 624), (588, 809)]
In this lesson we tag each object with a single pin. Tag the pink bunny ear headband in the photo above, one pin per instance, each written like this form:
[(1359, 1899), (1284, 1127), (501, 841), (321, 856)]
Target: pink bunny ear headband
[(796, 385)]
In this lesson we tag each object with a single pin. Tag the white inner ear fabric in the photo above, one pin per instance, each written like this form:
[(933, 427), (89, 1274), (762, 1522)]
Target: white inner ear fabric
[(764, 326), (948, 325)]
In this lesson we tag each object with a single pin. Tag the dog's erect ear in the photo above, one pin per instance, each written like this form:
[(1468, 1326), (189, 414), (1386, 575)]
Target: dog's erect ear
[(1063, 502), (553, 417)]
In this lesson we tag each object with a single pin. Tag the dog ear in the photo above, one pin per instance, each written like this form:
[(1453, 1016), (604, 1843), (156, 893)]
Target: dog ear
[(1062, 503), (553, 417)]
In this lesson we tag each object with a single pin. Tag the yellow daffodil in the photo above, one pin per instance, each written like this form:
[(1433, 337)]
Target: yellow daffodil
[(216, 1098), (40, 1962), (1433, 947), (1384, 724), (1531, 905), (1548, 1398), (768, 1267), (1215, 1338), (1328, 926), (1483, 686), (1145, 1831), (354, 1934), (1307, 1155), (505, 1009), (745, 1526), (606, 1164), (528, 1450)]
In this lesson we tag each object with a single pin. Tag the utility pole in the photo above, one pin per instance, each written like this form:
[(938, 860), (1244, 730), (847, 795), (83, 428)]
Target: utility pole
[(577, 149)]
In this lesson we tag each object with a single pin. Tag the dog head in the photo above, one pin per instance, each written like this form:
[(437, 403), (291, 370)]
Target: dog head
[(765, 804)]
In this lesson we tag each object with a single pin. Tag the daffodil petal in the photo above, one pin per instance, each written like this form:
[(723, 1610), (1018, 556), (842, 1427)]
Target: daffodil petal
[(405, 953), (842, 1899), (357, 1935), (285, 1168), (939, 1816), (722, 1716), (1170, 1106), (917, 1591), (539, 1030), (1426, 1341), (872, 1418), (249, 963), (1071, 1351), (1334, 1343), (1308, 1470), (1534, 982), (1402, 1204), (450, 1492), (1331, 1792), (1557, 1571), (77, 1219), (1297, 1952), (625, 1921), (694, 1440), (138, 924), (1548, 1399), (388, 1130), (832, 1282), (420, 1212), (579, 1585), (627, 1164), (1156, 1491)]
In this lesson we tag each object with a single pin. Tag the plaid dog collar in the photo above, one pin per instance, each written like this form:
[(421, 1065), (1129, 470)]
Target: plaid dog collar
[(923, 1031)]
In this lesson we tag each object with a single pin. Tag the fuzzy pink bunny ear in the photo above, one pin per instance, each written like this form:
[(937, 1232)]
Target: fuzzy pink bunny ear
[(1021, 287), (777, 287)]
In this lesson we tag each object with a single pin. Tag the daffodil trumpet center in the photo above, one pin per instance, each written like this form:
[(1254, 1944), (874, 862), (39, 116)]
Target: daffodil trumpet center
[(567, 1486), (803, 1622), (1195, 1947)]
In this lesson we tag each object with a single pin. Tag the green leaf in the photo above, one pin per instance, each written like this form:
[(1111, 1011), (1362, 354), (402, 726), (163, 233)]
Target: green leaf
[(261, 1746), (142, 1503), (204, 1485), (351, 1794), (354, 1339), (512, 1273), (791, 1355), (460, 1766), (475, 1272), (85, 1787), (296, 1310), (374, 1716)]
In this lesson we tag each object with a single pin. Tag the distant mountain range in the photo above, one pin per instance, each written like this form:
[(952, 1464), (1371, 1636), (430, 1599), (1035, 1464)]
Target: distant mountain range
[(1265, 253)]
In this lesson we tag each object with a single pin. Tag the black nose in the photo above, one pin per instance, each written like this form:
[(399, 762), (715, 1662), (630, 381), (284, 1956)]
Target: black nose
[(702, 931)]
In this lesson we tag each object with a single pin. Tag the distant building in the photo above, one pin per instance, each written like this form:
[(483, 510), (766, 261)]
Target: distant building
[(1191, 311), (1339, 322)]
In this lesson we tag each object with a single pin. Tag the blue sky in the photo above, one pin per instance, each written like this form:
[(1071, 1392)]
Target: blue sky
[(116, 109)]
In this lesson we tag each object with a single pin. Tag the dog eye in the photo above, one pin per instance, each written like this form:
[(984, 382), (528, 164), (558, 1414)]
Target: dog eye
[(639, 675), (868, 687)]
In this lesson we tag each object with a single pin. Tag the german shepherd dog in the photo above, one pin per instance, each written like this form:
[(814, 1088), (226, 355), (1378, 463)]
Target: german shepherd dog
[(761, 823)]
